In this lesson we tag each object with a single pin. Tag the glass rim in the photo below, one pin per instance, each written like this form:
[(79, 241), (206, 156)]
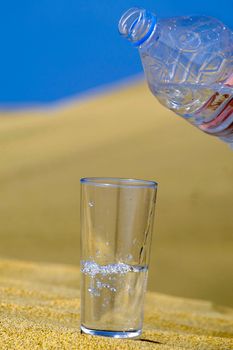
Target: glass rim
[(118, 182)]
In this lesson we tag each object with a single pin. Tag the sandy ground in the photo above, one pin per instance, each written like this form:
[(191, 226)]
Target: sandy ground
[(125, 133), (40, 309)]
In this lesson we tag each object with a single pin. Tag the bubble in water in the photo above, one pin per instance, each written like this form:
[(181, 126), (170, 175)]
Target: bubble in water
[(92, 269), (101, 285), (94, 292), (89, 268)]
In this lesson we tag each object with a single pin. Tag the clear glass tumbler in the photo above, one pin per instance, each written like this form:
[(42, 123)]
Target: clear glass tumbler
[(116, 226)]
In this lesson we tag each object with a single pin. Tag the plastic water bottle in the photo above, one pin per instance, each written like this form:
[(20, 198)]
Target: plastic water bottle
[(188, 63)]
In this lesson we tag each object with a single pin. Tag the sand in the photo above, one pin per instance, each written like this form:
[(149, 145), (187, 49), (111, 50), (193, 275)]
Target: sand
[(124, 133), (40, 309)]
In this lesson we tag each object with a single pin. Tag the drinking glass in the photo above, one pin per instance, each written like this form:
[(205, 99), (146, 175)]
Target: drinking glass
[(116, 228)]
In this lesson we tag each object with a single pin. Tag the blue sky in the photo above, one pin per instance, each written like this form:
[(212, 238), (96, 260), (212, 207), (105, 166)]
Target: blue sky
[(52, 50)]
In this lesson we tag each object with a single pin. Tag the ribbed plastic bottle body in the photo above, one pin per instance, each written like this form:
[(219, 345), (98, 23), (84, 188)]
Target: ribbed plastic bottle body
[(188, 62)]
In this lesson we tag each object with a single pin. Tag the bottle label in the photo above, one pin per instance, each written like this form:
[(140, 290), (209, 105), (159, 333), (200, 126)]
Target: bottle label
[(220, 108)]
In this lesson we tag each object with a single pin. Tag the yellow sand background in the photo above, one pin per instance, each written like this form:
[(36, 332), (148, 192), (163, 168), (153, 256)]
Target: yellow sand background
[(125, 133)]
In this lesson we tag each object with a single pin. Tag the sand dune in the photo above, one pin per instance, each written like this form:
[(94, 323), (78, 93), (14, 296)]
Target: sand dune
[(125, 133)]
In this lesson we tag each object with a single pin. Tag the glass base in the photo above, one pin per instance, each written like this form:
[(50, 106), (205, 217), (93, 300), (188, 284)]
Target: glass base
[(112, 334)]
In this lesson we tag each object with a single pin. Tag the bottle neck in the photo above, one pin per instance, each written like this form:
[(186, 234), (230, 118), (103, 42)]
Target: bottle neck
[(137, 25)]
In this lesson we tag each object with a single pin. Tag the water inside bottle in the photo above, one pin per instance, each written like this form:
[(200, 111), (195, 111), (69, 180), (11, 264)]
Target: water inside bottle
[(209, 107)]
